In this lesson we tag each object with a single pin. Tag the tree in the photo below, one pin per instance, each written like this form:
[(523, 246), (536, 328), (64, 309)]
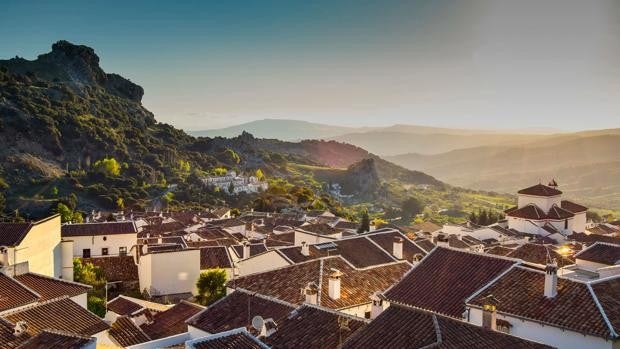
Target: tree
[(89, 274), (184, 166), (66, 214), (364, 223), (77, 217), (54, 191), (108, 166), (594, 216), (211, 286), (120, 203), (2, 203), (260, 175), (411, 207)]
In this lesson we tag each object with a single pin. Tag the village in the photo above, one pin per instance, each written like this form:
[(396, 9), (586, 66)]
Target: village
[(543, 277)]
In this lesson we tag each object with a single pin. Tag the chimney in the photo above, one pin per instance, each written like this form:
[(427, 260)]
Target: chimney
[(377, 305), (311, 291), (397, 249), (246, 250), (20, 328), (305, 248), (489, 313), (334, 284), (551, 279)]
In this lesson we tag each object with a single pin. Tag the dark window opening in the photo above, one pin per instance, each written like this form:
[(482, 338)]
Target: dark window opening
[(104, 251), (122, 251), (86, 253)]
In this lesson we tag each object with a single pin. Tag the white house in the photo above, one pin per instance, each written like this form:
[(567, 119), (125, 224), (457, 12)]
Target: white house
[(541, 211), (168, 272), (101, 239), (31, 246)]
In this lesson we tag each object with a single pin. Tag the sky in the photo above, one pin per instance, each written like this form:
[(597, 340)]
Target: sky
[(502, 64)]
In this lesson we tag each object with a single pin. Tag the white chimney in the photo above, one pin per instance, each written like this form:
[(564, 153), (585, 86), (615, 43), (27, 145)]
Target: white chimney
[(305, 248), (334, 284), (551, 279), (489, 313), (246, 250), (397, 249), (311, 291), (20, 328), (377, 305)]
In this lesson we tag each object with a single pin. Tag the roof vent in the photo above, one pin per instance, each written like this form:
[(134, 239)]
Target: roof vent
[(20, 328)]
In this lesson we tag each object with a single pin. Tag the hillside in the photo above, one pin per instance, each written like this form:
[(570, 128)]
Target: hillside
[(586, 165), (75, 135)]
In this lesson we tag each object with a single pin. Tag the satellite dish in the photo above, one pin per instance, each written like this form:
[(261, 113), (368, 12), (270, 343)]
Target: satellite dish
[(258, 322)]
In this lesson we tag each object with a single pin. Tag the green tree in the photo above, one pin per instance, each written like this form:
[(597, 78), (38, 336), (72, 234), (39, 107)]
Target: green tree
[(66, 214), (364, 223), (108, 166), (184, 166), (54, 191), (411, 207), (120, 203), (77, 217), (89, 274), (260, 175), (211, 286)]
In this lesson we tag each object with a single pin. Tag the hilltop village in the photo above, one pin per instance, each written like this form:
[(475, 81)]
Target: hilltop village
[(544, 277)]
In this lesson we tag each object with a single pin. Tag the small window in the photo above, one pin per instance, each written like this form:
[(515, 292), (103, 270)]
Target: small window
[(122, 251), (566, 224), (104, 251), (367, 315), (105, 238), (86, 253)]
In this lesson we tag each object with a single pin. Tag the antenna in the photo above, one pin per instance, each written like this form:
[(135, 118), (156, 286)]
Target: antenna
[(258, 322)]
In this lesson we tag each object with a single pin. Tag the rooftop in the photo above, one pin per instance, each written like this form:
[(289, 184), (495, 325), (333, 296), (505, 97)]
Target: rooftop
[(14, 294), (93, 229), (238, 339), (431, 284), (602, 253), (171, 321), (214, 257), (540, 190), (50, 288)]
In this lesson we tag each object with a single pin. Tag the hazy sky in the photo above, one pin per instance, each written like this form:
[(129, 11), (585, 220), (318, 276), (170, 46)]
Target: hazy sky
[(492, 64)]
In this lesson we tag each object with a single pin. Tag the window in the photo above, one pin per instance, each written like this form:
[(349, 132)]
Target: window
[(86, 253), (367, 315), (566, 224), (122, 251), (104, 251)]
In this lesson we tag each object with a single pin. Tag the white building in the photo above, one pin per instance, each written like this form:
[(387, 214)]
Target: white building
[(239, 183), (164, 272), (541, 211), (101, 239)]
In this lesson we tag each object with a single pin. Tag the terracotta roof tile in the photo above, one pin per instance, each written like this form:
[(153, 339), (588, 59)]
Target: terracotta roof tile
[(50, 288), (7, 339), (236, 340), (294, 254), (89, 229), (445, 278), (520, 292), (589, 239), (313, 327), (608, 295), (14, 294), (356, 285), (530, 211), (60, 314), (540, 190), (254, 249), (426, 329), (386, 241), (572, 207), (116, 268), (127, 333), (214, 257), (50, 339), (499, 250), (538, 254), (319, 228), (12, 234), (171, 321), (237, 310), (557, 212), (361, 252), (123, 306), (602, 253), (426, 244)]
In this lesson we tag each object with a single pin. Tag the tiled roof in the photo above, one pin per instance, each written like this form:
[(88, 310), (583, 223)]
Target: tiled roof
[(428, 330), (347, 225), (50, 339), (214, 257), (7, 339), (89, 229), (171, 321), (601, 253), (499, 250), (319, 228), (12, 234), (294, 254), (608, 294), (237, 310), (592, 238), (67, 316), (361, 252), (529, 211), (572, 207), (227, 223), (356, 285), (540, 190), (237, 339), (445, 278), (556, 212), (116, 268), (123, 306), (539, 254), (312, 327), (127, 333), (520, 292), (386, 241), (603, 229), (427, 227), (212, 233), (50, 288), (13, 294), (254, 249), (426, 244)]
